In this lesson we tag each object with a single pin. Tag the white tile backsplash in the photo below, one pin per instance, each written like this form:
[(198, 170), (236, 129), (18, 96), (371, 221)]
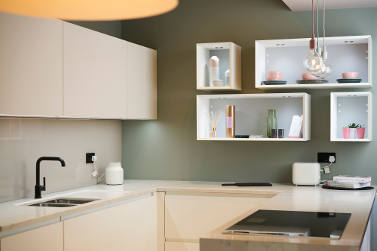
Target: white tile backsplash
[(23, 141)]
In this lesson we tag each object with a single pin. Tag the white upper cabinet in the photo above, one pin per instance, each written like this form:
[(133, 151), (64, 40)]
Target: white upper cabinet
[(95, 74), (31, 66), (51, 68), (141, 82)]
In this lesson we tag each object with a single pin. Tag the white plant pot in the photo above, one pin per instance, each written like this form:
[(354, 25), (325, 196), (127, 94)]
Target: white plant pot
[(353, 133)]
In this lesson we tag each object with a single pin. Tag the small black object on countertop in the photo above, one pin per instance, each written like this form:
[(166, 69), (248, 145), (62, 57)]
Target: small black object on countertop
[(247, 184), (345, 188), (242, 136)]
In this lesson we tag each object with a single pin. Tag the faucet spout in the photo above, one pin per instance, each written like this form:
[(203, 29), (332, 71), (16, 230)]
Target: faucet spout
[(38, 188)]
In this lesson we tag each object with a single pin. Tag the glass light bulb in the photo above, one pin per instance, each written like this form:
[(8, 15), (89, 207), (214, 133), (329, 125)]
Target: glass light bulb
[(313, 62)]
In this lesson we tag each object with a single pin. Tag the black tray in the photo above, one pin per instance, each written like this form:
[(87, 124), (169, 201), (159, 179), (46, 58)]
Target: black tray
[(342, 188), (274, 82), (349, 80), (312, 81)]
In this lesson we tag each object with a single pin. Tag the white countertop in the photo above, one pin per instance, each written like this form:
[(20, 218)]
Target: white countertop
[(15, 215)]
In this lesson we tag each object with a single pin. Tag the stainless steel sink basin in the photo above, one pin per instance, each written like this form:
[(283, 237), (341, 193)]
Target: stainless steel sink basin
[(62, 202)]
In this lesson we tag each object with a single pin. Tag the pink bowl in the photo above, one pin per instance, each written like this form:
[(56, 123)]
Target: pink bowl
[(350, 75), (308, 76), (274, 75)]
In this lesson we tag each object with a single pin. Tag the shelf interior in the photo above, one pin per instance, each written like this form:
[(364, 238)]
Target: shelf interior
[(251, 115), (347, 110), (204, 54), (289, 60)]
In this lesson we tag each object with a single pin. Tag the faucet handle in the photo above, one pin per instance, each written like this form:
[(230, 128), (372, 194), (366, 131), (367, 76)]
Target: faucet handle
[(43, 188)]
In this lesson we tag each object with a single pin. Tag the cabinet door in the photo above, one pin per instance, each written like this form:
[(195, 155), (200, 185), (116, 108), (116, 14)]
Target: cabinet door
[(126, 227), (187, 217), (142, 82), (31, 66), (181, 246), (367, 241), (95, 69), (47, 238)]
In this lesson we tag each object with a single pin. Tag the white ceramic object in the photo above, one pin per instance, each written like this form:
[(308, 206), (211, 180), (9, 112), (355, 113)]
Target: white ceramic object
[(114, 174), (227, 77), (214, 70), (306, 174)]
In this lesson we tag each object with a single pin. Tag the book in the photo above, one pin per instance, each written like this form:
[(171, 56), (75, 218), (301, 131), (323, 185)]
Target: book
[(353, 179), (296, 127), (352, 185)]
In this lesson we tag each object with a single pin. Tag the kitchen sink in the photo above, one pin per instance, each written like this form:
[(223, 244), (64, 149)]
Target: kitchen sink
[(62, 202)]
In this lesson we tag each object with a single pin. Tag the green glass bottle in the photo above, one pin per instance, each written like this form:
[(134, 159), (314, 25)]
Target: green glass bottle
[(271, 122)]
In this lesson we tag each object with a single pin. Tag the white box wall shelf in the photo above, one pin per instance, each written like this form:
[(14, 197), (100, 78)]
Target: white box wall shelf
[(230, 58), (251, 114), (345, 54), (347, 108)]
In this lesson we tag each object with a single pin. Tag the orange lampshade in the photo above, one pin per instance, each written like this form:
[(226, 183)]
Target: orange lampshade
[(88, 10)]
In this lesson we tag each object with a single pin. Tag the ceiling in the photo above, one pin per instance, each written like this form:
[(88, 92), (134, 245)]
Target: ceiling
[(302, 5)]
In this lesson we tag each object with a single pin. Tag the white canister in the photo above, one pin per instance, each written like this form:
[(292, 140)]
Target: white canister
[(214, 71), (114, 174)]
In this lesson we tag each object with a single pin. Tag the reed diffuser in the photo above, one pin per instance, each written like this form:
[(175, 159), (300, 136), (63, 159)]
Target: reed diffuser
[(213, 120)]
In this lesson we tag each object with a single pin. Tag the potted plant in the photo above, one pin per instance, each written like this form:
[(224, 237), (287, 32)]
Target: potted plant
[(353, 131), (360, 132)]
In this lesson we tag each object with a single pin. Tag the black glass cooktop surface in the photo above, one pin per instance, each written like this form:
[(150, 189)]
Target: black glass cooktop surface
[(292, 223)]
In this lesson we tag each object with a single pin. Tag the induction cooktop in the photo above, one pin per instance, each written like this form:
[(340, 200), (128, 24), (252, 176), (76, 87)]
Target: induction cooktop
[(292, 223)]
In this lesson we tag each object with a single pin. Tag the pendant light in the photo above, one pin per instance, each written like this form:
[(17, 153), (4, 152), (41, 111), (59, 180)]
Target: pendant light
[(313, 61), (88, 10), (326, 69)]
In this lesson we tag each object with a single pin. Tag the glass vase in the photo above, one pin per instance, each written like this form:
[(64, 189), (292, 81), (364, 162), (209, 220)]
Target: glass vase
[(271, 122)]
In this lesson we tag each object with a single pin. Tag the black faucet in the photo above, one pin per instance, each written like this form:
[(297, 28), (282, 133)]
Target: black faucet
[(38, 188)]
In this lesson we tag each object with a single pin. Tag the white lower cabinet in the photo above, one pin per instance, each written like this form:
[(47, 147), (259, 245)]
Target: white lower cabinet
[(366, 244), (131, 226), (46, 238), (182, 246), (190, 216)]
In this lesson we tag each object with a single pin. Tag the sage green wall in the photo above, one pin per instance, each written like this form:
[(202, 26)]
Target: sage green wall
[(167, 148)]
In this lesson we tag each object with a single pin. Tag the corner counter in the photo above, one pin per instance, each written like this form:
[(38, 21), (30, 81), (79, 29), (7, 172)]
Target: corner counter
[(16, 216)]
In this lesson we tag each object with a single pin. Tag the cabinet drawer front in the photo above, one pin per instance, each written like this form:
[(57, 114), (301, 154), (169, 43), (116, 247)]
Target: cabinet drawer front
[(187, 217), (181, 246), (47, 238), (129, 226)]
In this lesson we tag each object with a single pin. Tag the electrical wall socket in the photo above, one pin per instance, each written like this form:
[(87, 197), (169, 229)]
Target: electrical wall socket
[(89, 158), (324, 157)]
